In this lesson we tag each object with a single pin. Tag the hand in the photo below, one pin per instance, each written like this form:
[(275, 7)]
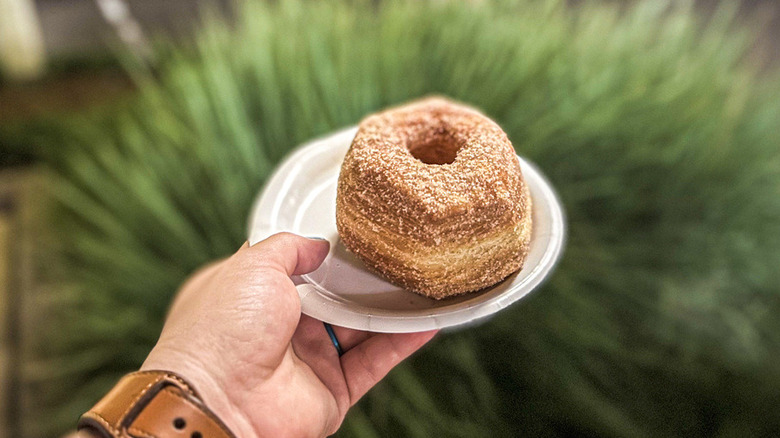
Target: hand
[(236, 332)]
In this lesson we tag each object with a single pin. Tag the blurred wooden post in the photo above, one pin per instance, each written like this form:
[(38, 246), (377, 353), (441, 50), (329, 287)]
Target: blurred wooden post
[(17, 190), (22, 54), (22, 207), (6, 356)]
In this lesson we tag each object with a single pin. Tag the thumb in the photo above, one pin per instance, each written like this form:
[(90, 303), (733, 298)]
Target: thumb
[(290, 253)]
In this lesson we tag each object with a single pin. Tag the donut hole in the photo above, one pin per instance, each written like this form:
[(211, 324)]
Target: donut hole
[(436, 151)]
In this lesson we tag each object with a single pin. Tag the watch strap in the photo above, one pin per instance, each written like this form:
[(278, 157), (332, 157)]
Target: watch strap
[(153, 404)]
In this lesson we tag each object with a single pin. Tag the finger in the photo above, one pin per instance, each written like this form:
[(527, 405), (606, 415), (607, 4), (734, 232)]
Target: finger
[(367, 363), (289, 253), (313, 346), (311, 336), (349, 338)]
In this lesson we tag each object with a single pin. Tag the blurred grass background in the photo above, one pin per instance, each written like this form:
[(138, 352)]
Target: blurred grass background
[(656, 120)]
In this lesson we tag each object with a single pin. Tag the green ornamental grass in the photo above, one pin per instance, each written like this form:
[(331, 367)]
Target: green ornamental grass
[(660, 135)]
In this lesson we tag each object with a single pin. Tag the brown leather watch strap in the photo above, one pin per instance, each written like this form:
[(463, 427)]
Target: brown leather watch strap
[(153, 404)]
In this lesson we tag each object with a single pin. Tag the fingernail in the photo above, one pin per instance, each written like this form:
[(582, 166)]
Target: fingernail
[(316, 238)]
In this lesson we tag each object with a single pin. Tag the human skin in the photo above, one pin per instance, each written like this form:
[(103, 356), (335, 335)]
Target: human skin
[(235, 331)]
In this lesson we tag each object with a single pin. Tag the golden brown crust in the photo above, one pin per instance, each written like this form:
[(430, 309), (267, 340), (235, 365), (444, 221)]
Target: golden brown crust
[(431, 196)]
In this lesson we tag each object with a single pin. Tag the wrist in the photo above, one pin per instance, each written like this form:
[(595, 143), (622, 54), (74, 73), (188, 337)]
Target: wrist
[(213, 392)]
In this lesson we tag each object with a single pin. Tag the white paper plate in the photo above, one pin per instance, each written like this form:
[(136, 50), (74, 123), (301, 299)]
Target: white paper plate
[(300, 197)]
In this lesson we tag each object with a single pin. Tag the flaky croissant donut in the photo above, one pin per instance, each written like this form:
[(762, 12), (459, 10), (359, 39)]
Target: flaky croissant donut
[(431, 196)]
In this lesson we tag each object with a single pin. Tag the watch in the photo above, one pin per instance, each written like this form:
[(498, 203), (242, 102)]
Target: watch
[(153, 404)]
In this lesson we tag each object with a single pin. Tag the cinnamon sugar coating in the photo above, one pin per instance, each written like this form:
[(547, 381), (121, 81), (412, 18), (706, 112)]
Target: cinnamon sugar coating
[(431, 196)]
